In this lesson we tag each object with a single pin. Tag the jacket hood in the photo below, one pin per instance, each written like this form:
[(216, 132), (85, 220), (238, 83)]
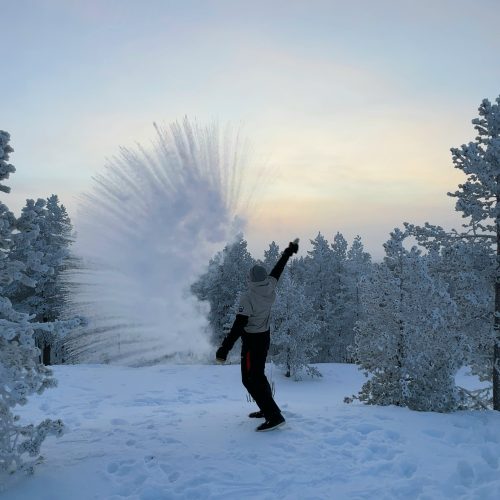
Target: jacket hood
[(262, 288)]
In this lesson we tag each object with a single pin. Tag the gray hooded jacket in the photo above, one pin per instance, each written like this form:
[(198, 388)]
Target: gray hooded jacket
[(256, 303)]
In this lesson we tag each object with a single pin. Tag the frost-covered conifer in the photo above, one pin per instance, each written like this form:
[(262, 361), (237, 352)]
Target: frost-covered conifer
[(5, 167), (227, 275), (20, 372), (467, 264), (271, 256), (41, 243), (408, 339), (60, 237), (318, 270), (295, 329), (478, 199), (341, 324), (357, 265), (29, 247)]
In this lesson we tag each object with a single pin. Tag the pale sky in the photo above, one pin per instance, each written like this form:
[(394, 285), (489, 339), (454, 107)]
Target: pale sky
[(355, 104)]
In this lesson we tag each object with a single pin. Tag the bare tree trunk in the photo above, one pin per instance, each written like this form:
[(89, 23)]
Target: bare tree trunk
[(46, 355)]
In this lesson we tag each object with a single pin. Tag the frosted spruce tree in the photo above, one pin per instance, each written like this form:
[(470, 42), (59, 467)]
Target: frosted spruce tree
[(341, 325), (478, 198), (295, 329), (317, 271), (60, 237), (358, 265), (41, 243), (20, 372), (467, 264), (408, 340), (271, 256), (29, 247), (226, 276)]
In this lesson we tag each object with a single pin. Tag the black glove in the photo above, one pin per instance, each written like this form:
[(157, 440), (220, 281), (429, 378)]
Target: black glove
[(293, 247), (221, 354)]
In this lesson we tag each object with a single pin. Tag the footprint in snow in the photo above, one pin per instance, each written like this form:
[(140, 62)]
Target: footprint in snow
[(490, 457), (465, 473), (125, 469), (407, 468), (366, 428), (346, 438), (112, 467), (118, 421), (435, 433), (392, 435), (285, 447), (173, 477), (383, 417), (382, 451), (150, 461), (120, 468), (170, 440)]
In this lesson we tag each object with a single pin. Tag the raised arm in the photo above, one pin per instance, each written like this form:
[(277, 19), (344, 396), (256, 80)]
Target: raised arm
[(292, 248)]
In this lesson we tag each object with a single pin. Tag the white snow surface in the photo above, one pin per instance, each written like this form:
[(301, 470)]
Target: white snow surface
[(182, 431)]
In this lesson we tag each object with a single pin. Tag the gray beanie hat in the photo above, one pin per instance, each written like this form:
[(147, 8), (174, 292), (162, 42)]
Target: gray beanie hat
[(258, 273)]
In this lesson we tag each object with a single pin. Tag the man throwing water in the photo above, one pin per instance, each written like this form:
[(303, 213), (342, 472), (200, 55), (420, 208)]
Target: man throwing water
[(252, 325)]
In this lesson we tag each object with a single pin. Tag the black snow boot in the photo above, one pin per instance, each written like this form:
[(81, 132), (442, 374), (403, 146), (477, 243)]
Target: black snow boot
[(272, 423), (256, 414)]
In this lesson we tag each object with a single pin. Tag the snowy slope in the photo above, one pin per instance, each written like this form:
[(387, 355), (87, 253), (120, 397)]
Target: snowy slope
[(181, 431)]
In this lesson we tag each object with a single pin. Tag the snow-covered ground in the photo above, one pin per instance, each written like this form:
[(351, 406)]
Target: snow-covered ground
[(180, 431)]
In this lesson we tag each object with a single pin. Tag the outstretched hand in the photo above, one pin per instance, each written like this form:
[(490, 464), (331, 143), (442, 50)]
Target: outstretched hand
[(293, 246)]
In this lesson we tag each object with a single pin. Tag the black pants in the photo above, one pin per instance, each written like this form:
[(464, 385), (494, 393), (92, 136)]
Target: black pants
[(253, 361)]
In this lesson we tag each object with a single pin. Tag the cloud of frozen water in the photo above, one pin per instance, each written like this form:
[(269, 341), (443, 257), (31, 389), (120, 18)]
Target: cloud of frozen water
[(147, 228)]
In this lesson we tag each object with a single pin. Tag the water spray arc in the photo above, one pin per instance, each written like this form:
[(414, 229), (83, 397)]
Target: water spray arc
[(148, 226)]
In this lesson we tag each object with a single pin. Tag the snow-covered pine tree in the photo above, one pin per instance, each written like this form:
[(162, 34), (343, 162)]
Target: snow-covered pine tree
[(41, 243), (295, 329), (59, 234), (478, 198), (20, 372), (358, 265), (408, 339), (271, 256), (341, 325), (298, 271), (5, 167), (30, 248), (227, 275), (379, 336), (20, 375), (467, 265), (318, 286)]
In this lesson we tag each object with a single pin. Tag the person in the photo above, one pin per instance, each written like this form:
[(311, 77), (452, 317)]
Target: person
[(252, 324)]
